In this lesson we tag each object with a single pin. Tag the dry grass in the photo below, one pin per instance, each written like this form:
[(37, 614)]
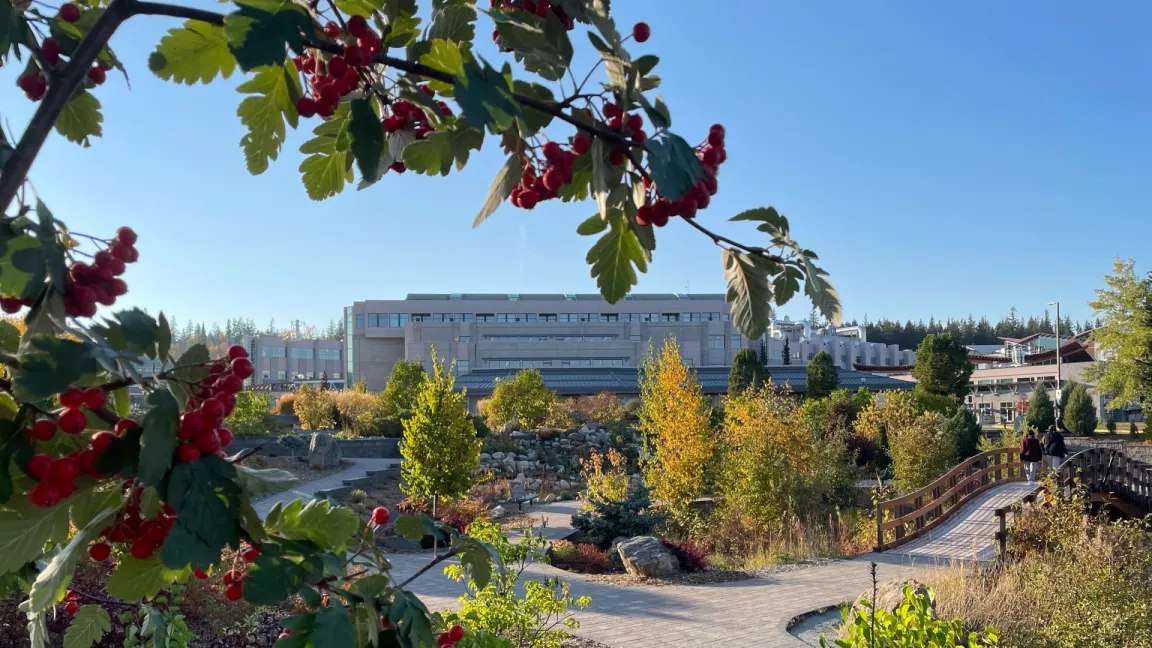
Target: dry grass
[(795, 540), (985, 598)]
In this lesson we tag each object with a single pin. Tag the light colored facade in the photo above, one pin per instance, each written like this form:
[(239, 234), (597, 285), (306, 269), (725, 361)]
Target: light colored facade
[(848, 346), (511, 331), (282, 360), (996, 391)]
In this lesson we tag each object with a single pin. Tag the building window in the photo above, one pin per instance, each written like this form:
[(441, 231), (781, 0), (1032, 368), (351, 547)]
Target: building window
[(775, 354), (328, 354), (398, 320), (485, 317), (302, 353), (735, 342), (715, 341), (463, 367), (609, 317), (421, 317), (464, 338), (724, 317), (377, 320), (634, 338), (360, 321), (308, 375), (547, 317), (670, 317), (272, 352), (336, 375), (265, 374), (280, 375)]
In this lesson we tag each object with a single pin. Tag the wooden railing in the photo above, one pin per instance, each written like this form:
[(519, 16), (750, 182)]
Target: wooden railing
[(908, 517)]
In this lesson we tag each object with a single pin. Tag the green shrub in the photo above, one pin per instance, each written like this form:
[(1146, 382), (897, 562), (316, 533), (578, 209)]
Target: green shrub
[(921, 452), (251, 416), (604, 521), (403, 386), (482, 429), (1110, 425), (285, 405), (524, 397), (912, 625), (316, 408)]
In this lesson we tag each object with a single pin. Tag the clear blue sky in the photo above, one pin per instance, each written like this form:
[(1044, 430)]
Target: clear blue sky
[(942, 160)]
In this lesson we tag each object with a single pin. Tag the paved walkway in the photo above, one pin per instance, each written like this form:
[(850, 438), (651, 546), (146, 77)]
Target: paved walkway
[(307, 491)]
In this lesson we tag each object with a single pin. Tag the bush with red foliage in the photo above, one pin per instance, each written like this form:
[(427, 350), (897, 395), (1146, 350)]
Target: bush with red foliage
[(461, 513), (693, 556), (580, 557), (863, 448)]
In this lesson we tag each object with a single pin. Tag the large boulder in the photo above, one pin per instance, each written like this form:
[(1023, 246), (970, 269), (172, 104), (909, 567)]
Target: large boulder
[(324, 452), (646, 556)]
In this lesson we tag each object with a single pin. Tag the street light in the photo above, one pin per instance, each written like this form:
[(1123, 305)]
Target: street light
[(1059, 394)]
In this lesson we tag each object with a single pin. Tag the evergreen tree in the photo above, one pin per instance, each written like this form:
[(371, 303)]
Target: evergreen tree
[(942, 366), (823, 377), (787, 353), (1078, 410), (763, 354), (746, 372), (1126, 305), (1041, 413)]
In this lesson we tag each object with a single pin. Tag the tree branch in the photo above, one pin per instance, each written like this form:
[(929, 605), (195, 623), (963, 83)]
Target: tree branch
[(430, 565)]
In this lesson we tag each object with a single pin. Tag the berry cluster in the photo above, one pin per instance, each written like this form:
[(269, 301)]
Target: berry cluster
[(200, 431), (539, 7), (335, 76), (99, 283), (142, 537), (234, 578), (34, 84), (712, 155), (56, 476), (405, 114), (628, 126), (71, 602), (537, 185), (447, 639)]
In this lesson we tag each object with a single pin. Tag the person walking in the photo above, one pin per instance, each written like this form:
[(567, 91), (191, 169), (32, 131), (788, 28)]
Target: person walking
[(1054, 450), (1031, 454)]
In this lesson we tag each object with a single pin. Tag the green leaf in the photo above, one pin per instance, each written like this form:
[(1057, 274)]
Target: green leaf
[(159, 436), (402, 31), (272, 579), (274, 91), (121, 402), (534, 120), (50, 365), (38, 630), (613, 256), (410, 527), (787, 283), (140, 331), (479, 558), (486, 97), (748, 291), (506, 179), (594, 224), (22, 266), (259, 31), (333, 629), (360, 7), (329, 163), (196, 52), (657, 113), (197, 354), (80, 118), (578, 190), (123, 456), (675, 167), (773, 222), (269, 480), (207, 503), (645, 63), (54, 578), (88, 626), (88, 505), (448, 57), (9, 336), (25, 530), (541, 43), (163, 340), (453, 21), (141, 579), (599, 176), (367, 137), (821, 292), (440, 150), (331, 527), (12, 28)]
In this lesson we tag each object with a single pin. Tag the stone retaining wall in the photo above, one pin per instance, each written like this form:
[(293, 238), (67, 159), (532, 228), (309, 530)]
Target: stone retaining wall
[(372, 478), (1134, 449), (375, 448)]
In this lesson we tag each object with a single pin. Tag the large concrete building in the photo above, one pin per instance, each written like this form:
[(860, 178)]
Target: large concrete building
[(285, 360), (848, 346)]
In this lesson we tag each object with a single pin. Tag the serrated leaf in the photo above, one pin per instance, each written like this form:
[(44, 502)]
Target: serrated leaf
[(136, 579), (646, 63), (534, 120), (21, 265), (259, 31), (88, 626), (646, 235), (49, 587), (328, 166), (787, 283), (360, 7), (409, 527), (274, 91), (25, 530), (159, 436), (163, 340), (821, 291), (195, 53), (440, 150), (268, 480), (80, 118), (657, 113), (49, 365), (206, 499), (579, 188), (506, 179), (542, 44), (448, 57), (366, 137), (12, 28), (330, 527), (190, 363), (613, 256), (773, 222), (453, 22), (675, 167), (403, 30), (88, 505), (479, 558), (748, 291), (333, 629), (9, 337), (594, 224), (485, 96)]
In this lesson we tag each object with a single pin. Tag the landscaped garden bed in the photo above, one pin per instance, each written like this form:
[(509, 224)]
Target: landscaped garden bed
[(298, 466)]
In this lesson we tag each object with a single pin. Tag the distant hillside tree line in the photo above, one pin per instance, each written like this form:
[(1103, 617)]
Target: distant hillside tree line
[(909, 334)]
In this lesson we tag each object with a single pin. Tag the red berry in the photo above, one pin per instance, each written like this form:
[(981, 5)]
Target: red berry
[(97, 74), (380, 516), (39, 88), (190, 424), (120, 251), (716, 135), (329, 94), (641, 32), (234, 592), (187, 453), (612, 110), (553, 179), (142, 548), (123, 425), (69, 12), (711, 156), (45, 494), (73, 421), (581, 144), (250, 554), (616, 123), (644, 215), (94, 398), (74, 397), (126, 235), (639, 136), (64, 470), (99, 551), (332, 30), (635, 122), (233, 576), (552, 152), (242, 367), (337, 67), (117, 288), (116, 267), (213, 411), (39, 465), (230, 384), (616, 157), (200, 573), (456, 633), (71, 606), (87, 459), (443, 639), (398, 167), (50, 48), (225, 436), (102, 440), (306, 107), (688, 208), (44, 429), (528, 199), (237, 351), (11, 304), (207, 441), (358, 26)]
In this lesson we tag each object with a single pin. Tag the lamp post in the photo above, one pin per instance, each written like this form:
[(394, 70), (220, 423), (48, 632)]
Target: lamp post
[(1059, 394)]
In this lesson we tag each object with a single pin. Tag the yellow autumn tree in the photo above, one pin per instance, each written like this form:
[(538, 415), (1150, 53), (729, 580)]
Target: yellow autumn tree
[(674, 419)]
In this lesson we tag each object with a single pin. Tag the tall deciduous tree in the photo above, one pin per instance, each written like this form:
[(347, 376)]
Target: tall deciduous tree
[(1041, 412), (440, 448), (746, 371), (404, 385), (1079, 412), (674, 418), (823, 377), (524, 398), (942, 366), (1124, 337), (921, 452)]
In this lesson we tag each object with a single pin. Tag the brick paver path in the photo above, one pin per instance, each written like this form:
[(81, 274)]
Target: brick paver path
[(306, 491)]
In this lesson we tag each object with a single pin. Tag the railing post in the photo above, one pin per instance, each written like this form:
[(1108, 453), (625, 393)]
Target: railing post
[(879, 525), (1002, 535)]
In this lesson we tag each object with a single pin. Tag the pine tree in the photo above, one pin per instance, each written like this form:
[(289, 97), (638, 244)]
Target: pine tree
[(746, 372), (763, 354), (823, 377), (1041, 413), (1079, 413), (787, 353)]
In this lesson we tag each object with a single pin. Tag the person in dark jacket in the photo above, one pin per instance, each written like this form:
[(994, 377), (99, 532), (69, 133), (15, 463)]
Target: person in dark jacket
[(1031, 453), (1054, 451)]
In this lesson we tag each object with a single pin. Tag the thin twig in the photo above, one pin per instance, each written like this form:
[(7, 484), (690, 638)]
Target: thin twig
[(430, 565)]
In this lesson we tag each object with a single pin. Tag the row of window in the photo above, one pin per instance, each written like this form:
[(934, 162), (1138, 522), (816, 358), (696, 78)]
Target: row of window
[(399, 320), (540, 364), (300, 353), (308, 375), (547, 338), (717, 342)]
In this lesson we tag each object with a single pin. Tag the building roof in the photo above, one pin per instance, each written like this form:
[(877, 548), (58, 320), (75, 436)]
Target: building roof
[(1073, 351), (713, 380), (585, 297)]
